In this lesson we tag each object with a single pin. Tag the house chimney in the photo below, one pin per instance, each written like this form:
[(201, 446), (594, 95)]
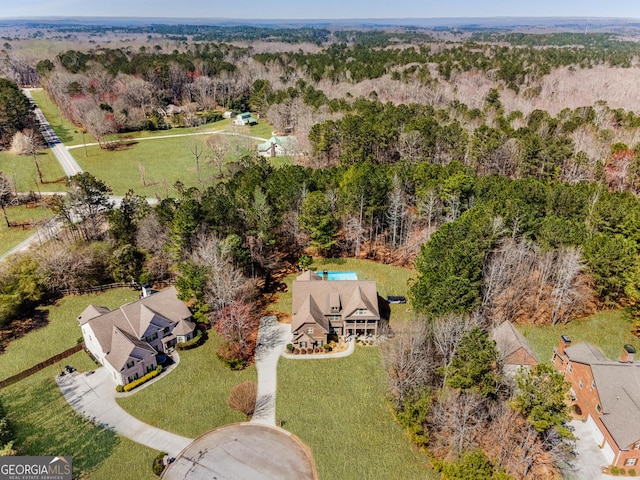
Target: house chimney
[(564, 343), (628, 352)]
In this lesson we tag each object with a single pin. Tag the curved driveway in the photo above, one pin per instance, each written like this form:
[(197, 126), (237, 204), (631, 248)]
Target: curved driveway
[(94, 397)]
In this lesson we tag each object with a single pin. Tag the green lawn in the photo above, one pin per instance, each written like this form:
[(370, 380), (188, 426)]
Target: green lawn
[(193, 398), (69, 134), (46, 425), (338, 408), (390, 280), (21, 170), (607, 330), (10, 237), (61, 332)]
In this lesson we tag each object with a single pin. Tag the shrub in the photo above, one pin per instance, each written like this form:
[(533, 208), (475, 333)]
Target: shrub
[(243, 397), (80, 340), (309, 349), (614, 470), (141, 380), (327, 347), (296, 351), (289, 347), (158, 468), (119, 388), (632, 472), (621, 471), (196, 341), (159, 369)]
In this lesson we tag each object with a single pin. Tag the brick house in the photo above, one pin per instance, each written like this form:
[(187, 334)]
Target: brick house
[(606, 394), (128, 340), (514, 350), (324, 309)]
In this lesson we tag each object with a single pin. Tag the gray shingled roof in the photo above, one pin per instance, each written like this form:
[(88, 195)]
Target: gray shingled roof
[(92, 311), (124, 347), (618, 386), (509, 340), (161, 309)]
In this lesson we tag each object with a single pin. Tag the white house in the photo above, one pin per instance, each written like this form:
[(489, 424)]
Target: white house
[(280, 147), (127, 340), (243, 119)]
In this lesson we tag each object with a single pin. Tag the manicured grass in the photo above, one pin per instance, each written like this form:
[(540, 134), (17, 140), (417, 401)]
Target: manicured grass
[(10, 237), (21, 170), (192, 399), (607, 330), (338, 408), (262, 129), (69, 134), (46, 425), (61, 332), (390, 280)]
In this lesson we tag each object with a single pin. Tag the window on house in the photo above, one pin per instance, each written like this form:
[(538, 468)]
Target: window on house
[(593, 384), (130, 364), (636, 446), (309, 331), (580, 383), (361, 311), (334, 318), (570, 368), (303, 344), (598, 408), (630, 462)]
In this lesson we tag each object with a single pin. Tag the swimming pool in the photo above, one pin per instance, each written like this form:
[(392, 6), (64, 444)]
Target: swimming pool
[(342, 276)]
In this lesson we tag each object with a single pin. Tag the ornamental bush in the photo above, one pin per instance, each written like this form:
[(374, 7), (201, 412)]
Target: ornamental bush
[(141, 380)]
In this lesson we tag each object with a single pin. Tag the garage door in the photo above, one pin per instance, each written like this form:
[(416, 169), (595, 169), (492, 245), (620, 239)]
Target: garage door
[(595, 430), (608, 452)]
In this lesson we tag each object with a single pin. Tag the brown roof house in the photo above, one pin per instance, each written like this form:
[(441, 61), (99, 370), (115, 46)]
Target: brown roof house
[(323, 309), (607, 394), (514, 350), (127, 340)]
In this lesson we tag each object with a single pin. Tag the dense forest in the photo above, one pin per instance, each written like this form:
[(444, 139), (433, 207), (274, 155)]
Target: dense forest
[(467, 158)]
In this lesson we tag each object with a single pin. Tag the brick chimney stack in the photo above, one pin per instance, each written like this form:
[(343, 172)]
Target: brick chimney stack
[(628, 352), (564, 343)]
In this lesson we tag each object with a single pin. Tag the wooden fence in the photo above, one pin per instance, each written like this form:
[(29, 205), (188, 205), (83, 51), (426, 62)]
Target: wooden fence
[(36, 368), (108, 286)]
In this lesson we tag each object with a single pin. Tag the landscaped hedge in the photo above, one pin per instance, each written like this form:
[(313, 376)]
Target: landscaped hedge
[(198, 340), (141, 380)]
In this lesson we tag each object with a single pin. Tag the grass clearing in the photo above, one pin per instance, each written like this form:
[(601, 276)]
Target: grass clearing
[(346, 419), (609, 331), (46, 425), (10, 237), (61, 332), (390, 280), (21, 170), (193, 398)]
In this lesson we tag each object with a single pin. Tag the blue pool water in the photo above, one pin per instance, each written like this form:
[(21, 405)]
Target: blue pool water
[(342, 276)]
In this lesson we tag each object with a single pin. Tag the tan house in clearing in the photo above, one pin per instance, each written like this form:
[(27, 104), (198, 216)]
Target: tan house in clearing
[(324, 309), (127, 340), (606, 393)]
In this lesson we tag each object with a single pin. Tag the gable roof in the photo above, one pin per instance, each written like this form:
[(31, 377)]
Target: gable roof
[(92, 311), (309, 313), (125, 346), (509, 340), (313, 299), (161, 309), (618, 386), (184, 327)]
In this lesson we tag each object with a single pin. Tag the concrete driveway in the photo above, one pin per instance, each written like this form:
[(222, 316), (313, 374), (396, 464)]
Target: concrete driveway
[(94, 397), (590, 459)]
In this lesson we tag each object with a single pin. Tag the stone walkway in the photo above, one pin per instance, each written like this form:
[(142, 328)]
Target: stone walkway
[(94, 397)]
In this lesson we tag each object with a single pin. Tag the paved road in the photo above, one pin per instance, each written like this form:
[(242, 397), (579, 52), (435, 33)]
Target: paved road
[(93, 396), (68, 163)]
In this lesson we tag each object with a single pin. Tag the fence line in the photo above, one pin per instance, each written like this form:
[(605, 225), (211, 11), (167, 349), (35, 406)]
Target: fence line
[(108, 286), (36, 368)]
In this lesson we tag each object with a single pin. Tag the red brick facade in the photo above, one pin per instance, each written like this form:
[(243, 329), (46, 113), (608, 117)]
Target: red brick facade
[(587, 402)]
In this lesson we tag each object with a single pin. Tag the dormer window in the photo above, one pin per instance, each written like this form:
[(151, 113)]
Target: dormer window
[(130, 364), (361, 311)]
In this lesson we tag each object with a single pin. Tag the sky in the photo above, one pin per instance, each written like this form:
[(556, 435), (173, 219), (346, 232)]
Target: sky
[(320, 9)]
